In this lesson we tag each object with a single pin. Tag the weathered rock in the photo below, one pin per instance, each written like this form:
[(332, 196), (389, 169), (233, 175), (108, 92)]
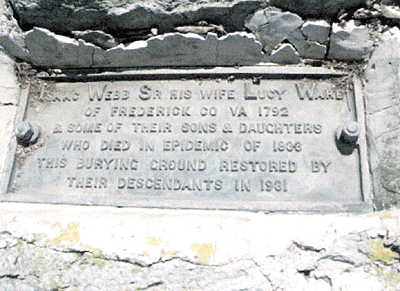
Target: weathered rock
[(202, 30), (383, 118), (307, 49), (238, 48), (389, 11), (165, 50), (350, 42), (51, 50), (171, 49), (316, 30), (123, 16), (11, 36), (114, 16), (285, 54), (9, 96), (317, 8), (274, 27), (96, 37)]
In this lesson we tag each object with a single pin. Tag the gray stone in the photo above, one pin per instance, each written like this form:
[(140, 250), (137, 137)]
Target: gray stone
[(317, 8), (390, 11), (114, 16), (350, 42), (11, 36), (383, 117), (171, 49), (307, 49), (285, 54), (122, 16), (51, 50), (167, 49), (238, 48), (316, 30), (256, 20), (9, 87), (278, 27), (96, 37)]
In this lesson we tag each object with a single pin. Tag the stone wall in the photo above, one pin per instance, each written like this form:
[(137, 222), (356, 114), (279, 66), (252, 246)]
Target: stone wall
[(125, 34), (47, 247)]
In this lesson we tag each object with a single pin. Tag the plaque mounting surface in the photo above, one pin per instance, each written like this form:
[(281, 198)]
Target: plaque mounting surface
[(247, 139)]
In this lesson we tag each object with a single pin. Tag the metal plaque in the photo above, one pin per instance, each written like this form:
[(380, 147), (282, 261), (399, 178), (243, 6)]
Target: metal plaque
[(256, 138)]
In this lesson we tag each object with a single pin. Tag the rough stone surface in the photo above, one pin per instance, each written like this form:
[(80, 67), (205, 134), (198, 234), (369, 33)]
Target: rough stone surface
[(307, 49), (383, 118), (11, 36), (123, 15), (171, 49), (272, 27), (52, 50), (350, 42), (9, 93), (316, 30), (285, 54), (96, 37), (275, 28), (46, 247), (317, 8), (119, 17)]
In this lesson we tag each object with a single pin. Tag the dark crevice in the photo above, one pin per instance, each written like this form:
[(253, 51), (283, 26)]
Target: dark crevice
[(324, 278), (7, 104), (338, 258), (15, 15), (155, 284), (328, 44), (306, 273), (10, 276), (308, 248)]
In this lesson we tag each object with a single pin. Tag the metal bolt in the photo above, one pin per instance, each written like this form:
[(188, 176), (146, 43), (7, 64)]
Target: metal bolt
[(27, 133), (350, 132)]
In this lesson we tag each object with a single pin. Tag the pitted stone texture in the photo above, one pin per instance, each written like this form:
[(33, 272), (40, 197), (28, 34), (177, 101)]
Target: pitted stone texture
[(45, 247), (96, 37), (350, 42), (383, 117), (316, 30), (9, 88), (238, 48), (121, 16), (274, 27), (171, 49), (52, 50), (9, 93), (307, 49), (11, 36), (285, 54), (317, 8)]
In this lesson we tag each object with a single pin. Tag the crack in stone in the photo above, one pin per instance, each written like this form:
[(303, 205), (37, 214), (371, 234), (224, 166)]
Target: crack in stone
[(154, 284), (325, 278), (328, 44), (308, 248), (11, 276), (117, 259), (389, 189), (338, 258), (7, 104)]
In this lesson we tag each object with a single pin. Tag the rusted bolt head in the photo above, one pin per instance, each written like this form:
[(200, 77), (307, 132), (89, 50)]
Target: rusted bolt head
[(350, 132), (27, 133)]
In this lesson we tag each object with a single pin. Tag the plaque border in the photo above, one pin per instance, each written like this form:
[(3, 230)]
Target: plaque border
[(270, 72)]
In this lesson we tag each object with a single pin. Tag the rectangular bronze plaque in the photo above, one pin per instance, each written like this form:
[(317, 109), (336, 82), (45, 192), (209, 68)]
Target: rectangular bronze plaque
[(256, 138)]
